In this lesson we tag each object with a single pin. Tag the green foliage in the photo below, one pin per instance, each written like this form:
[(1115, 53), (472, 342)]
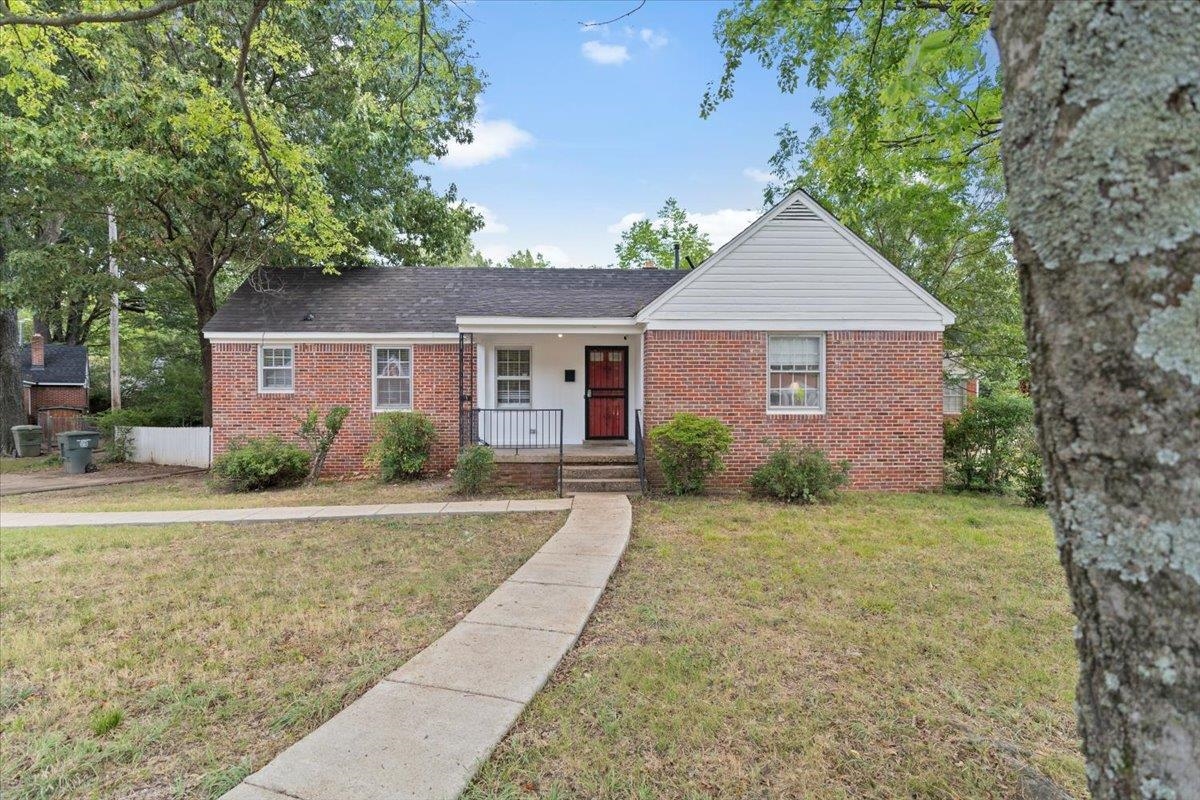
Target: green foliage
[(114, 425), (402, 443), (320, 434), (105, 720), (474, 470), (654, 240), (986, 444), (1030, 476), (524, 259), (251, 465), (906, 152), (799, 475), (689, 450)]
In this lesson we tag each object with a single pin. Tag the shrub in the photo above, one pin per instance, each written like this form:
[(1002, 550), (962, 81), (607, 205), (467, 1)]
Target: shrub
[(250, 465), (983, 445), (475, 469), (689, 450), (319, 435), (402, 443), (114, 425), (799, 475), (1029, 477)]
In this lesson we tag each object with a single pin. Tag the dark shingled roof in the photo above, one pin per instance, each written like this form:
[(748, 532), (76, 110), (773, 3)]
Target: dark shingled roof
[(65, 363), (427, 299)]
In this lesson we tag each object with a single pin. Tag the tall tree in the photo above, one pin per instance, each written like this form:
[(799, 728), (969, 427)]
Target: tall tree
[(232, 132), (654, 240), (905, 151), (1102, 158)]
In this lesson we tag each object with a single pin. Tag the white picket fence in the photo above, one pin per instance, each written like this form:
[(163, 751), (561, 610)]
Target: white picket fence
[(186, 447)]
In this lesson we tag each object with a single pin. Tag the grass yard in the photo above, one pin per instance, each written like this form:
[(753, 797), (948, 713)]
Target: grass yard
[(162, 662), (190, 491), (881, 647), (13, 466)]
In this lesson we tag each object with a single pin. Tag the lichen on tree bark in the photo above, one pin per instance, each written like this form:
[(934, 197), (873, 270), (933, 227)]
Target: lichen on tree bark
[(1101, 149)]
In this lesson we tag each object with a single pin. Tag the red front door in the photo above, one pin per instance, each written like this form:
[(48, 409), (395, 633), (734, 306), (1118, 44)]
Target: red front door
[(607, 400)]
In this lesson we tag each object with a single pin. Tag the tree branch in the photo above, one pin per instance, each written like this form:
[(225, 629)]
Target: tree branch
[(630, 12), (84, 17), (239, 86)]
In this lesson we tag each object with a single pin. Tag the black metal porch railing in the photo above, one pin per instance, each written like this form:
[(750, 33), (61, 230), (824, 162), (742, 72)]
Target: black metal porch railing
[(514, 429), (639, 449)]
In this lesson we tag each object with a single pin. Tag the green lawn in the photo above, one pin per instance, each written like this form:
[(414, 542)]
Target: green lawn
[(194, 490), (881, 647), (160, 662)]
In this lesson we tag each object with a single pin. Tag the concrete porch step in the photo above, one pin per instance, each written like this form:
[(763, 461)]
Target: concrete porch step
[(578, 471), (584, 485), (597, 455)]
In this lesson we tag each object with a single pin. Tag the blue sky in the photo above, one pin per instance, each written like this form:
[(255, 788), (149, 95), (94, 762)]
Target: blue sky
[(581, 129)]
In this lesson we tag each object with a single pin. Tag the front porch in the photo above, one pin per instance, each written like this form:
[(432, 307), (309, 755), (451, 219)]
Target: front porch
[(579, 468)]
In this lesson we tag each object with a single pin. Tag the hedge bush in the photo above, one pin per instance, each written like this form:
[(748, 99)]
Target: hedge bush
[(251, 465), (474, 470), (403, 440), (987, 444), (799, 475), (689, 448)]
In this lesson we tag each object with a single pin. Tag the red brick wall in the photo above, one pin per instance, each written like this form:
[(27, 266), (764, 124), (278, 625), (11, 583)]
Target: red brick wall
[(883, 406), (53, 396), (329, 374)]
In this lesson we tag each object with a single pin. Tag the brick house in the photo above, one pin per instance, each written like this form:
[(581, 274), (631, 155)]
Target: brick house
[(54, 380), (795, 330)]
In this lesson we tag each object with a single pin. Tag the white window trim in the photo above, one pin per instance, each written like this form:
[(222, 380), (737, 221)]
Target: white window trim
[(795, 411), (412, 379), (496, 378), (275, 346)]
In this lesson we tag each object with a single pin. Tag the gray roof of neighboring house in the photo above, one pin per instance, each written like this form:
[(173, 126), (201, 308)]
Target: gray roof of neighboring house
[(65, 363), (427, 299)]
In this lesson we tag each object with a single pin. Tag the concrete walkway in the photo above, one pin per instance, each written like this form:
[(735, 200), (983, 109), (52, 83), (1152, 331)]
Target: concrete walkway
[(424, 730), (32, 519)]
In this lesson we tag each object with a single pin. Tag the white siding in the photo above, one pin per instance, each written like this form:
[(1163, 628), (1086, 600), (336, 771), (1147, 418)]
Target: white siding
[(797, 268)]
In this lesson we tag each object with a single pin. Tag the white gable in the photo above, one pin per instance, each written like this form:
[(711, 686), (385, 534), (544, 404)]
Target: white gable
[(797, 268)]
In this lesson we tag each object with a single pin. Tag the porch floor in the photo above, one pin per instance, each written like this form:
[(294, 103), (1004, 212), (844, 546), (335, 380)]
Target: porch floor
[(597, 453)]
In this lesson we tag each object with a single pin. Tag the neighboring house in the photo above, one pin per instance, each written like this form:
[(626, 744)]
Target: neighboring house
[(795, 330), (960, 386), (55, 379)]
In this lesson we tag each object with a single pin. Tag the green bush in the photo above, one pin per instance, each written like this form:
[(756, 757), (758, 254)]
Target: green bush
[(799, 475), (1029, 477), (114, 427), (402, 443), (689, 450), (984, 444), (475, 469), (250, 465), (320, 434)]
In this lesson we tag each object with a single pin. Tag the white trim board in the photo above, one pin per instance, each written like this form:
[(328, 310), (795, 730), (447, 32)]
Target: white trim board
[(648, 314)]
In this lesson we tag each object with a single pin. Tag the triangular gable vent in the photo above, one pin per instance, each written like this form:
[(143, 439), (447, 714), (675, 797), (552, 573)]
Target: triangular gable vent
[(797, 212)]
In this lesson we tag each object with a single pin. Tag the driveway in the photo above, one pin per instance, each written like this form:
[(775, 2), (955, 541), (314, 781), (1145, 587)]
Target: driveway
[(50, 480)]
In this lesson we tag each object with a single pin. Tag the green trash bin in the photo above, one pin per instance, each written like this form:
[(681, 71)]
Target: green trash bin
[(29, 440), (76, 448)]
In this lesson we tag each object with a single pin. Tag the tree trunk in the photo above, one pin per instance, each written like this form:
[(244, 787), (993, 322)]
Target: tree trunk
[(12, 401), (204, 298), (1101, 148)]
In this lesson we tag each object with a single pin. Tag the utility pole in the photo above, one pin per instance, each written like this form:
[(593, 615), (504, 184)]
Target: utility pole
[(114, 321)]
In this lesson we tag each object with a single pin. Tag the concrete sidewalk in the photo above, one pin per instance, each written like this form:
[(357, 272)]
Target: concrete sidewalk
[(30, 519), (426, 728)]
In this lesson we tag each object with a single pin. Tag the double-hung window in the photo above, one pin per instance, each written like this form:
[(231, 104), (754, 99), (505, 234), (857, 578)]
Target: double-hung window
[(954, 396), (276, 368), (794, 377), (513, 378), (392, 378)]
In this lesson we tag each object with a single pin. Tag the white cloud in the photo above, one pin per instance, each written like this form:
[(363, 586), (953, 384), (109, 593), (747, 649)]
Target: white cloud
[(608, 54), (723, 225), (653, 38), (553, 253), (624, 222), (758, 175), (493, 139), (495, 252), (491, 223)]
